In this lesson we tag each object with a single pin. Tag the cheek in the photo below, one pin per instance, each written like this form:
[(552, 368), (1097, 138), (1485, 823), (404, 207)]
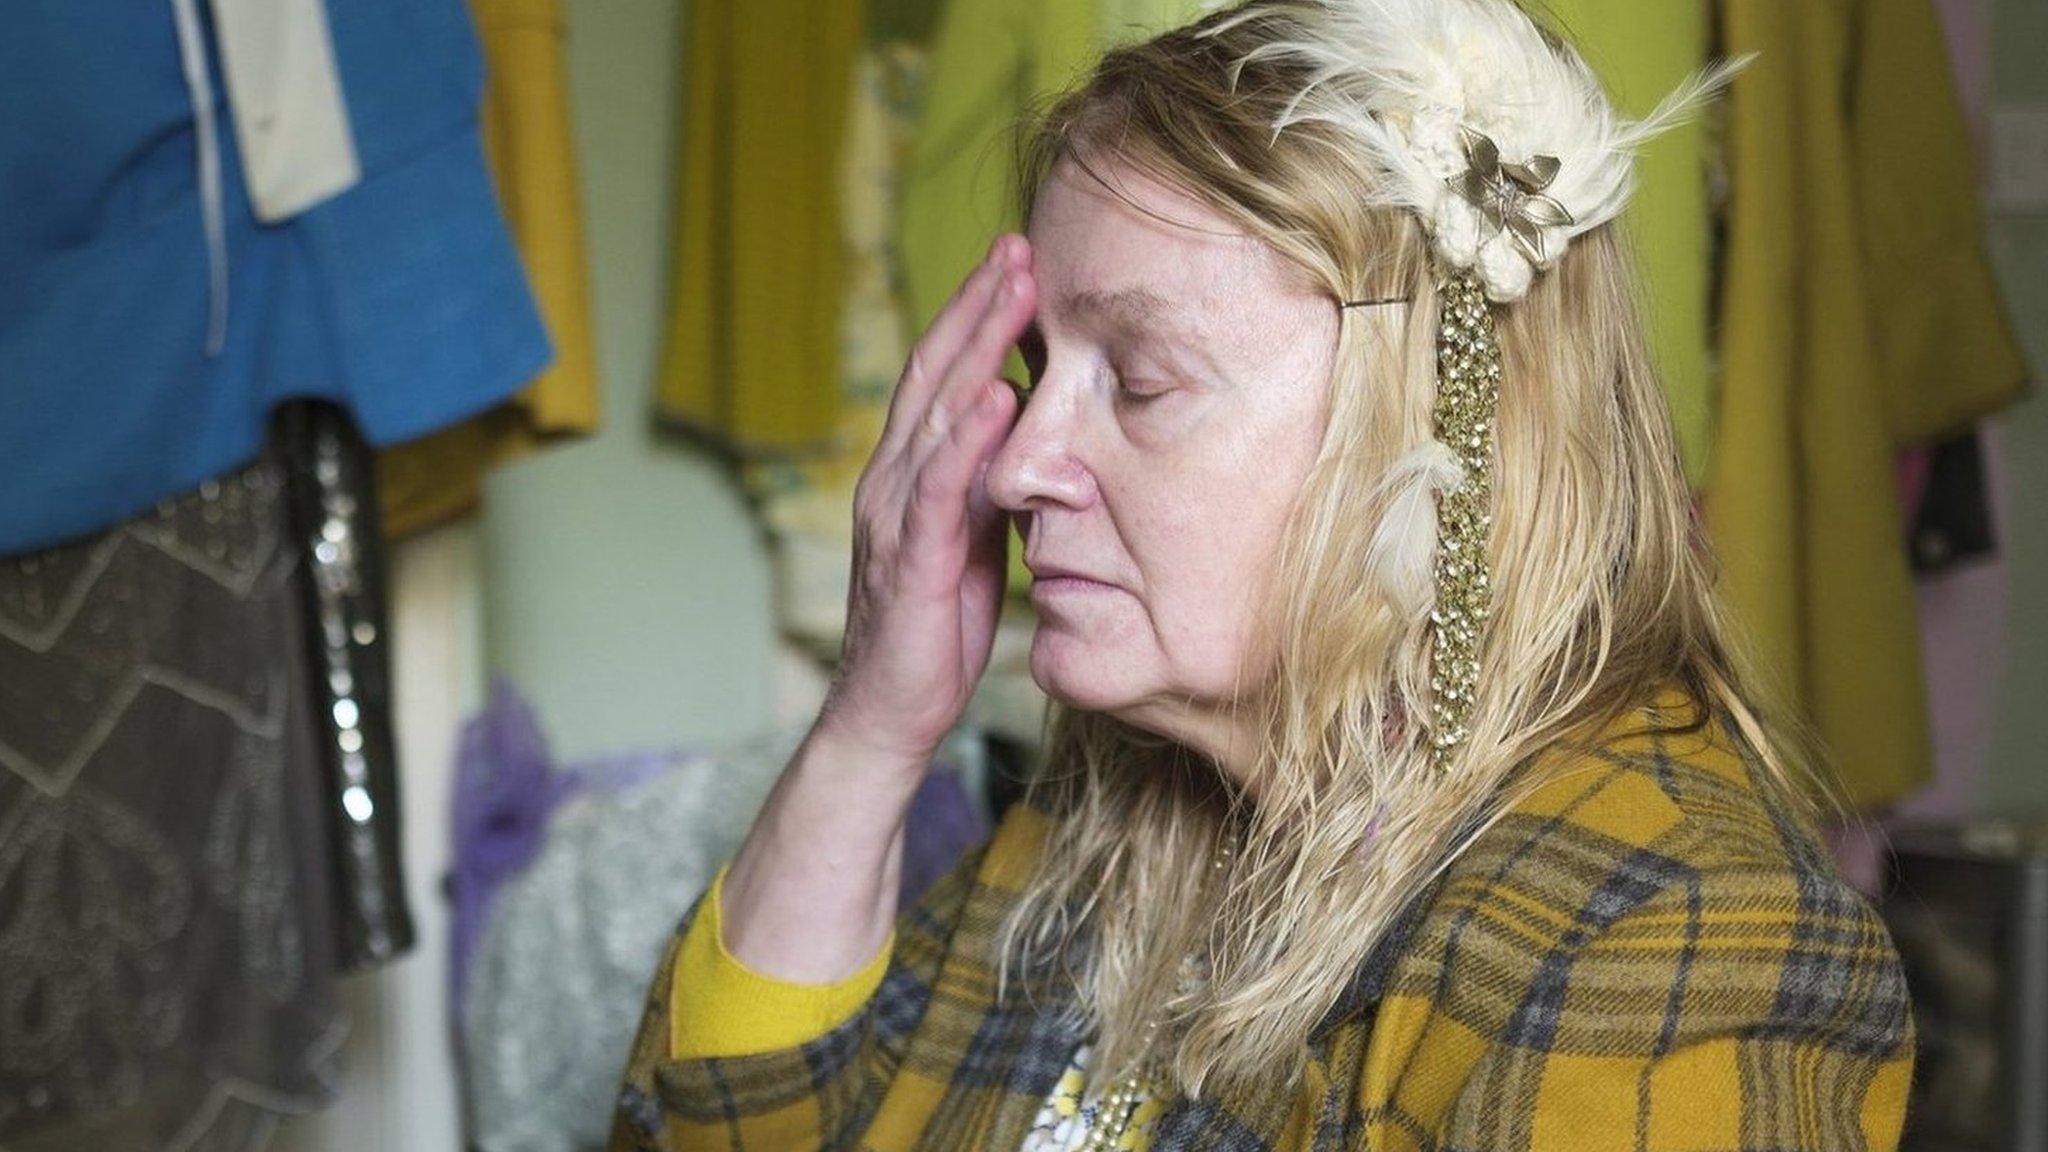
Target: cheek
[(1209, 544), (1203, 627), (1205, 567)]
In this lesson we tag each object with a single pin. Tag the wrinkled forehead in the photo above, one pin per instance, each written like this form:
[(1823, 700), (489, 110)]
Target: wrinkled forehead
[(1115, 248)]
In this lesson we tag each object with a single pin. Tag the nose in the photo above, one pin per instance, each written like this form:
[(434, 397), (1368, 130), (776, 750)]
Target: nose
[(1037, 467)]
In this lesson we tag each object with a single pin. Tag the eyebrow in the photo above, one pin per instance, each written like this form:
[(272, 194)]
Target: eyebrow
[(1133, 308), (1129, 311)]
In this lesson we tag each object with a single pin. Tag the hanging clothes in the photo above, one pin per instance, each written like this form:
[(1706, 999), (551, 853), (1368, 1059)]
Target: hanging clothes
[(187, 245), (991, 60), (1642, 51), (330, 479), (913, 218), (167, 961), (1858, 314), (751, 363), (807, 501), (529, 142)]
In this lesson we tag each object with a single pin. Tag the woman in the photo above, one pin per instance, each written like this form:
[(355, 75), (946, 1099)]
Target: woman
[(1401, 787)]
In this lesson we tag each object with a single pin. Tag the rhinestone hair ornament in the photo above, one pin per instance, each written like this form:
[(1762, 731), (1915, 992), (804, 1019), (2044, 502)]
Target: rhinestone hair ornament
[(1501, 140)]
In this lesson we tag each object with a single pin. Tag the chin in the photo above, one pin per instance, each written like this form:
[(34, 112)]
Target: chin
[(1076, 674)]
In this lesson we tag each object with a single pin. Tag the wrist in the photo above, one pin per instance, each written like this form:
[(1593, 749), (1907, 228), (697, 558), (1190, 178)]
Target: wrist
[(840, 747), (841, 799)]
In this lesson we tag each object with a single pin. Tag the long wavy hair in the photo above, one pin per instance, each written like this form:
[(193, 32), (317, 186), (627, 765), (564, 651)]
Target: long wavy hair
[(1603, 586)]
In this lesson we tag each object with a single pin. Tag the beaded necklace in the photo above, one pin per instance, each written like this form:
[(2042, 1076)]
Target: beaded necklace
[(1121, 1103)]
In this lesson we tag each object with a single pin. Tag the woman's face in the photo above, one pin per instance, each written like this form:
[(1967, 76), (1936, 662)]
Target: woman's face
[(1179, 373)]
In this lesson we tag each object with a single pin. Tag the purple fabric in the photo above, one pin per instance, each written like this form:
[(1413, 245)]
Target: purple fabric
[(944, 822), (506, 788), (504, 791)]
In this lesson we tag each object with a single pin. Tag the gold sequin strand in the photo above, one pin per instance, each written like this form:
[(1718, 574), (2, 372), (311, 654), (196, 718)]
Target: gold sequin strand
[(1120, 1106), (1467, 396)]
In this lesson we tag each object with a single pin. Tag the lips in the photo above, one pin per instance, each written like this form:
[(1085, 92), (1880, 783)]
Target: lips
[(1057, 572)]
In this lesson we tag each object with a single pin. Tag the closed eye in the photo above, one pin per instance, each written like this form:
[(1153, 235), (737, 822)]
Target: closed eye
[(1135, 389), (1031, 348)]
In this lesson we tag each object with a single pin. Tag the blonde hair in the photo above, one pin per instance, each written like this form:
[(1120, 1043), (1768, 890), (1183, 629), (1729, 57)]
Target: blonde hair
[(1603, 585)]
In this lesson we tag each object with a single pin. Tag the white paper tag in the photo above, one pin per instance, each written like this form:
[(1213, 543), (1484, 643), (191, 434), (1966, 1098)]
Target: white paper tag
[(284, 95)]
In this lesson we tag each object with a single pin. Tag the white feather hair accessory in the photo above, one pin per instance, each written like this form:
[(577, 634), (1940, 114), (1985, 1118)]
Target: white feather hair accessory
[(1403, 545), (1501, 141)]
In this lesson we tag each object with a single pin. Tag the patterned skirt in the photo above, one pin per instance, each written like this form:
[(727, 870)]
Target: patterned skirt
[(176, 894)]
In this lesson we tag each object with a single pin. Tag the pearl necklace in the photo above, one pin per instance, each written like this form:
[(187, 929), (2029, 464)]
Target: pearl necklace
[(1120, 1105)]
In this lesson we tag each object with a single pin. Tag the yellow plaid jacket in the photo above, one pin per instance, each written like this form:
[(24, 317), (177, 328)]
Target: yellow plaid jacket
[(1644, 954)]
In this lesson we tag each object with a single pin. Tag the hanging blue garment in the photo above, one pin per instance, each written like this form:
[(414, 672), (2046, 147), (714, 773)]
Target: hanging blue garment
[(149, 319)]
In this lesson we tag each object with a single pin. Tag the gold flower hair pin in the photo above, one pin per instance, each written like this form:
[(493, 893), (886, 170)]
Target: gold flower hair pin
[(1510, 196)]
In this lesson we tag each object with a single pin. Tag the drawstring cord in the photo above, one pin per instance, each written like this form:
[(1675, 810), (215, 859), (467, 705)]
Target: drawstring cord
[(192, 55)]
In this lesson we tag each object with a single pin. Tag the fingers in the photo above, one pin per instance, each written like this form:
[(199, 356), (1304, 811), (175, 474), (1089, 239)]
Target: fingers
[(988, 548), (942, 339), (966, 422), (945, 421), (942, 507), (931, 360), (977, 363)]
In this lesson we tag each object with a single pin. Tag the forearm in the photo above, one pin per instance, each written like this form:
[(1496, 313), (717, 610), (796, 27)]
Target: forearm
[(811, 896)]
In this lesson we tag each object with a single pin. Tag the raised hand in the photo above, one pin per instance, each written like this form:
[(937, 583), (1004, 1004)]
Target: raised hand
[(812, 894), (929, 549)]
